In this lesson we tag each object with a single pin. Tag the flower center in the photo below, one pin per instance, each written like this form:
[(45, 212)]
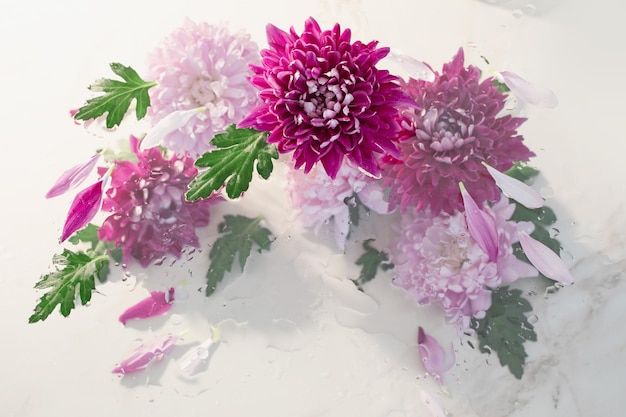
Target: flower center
[(203, 91), (327, 100), (449, 130)]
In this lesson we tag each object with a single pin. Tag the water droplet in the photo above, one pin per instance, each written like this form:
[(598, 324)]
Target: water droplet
[(517, 13), (124, 266), (554, 232), (530, 9), (533, 319)]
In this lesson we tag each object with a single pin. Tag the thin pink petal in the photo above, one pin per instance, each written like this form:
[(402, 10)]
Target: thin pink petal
[(173, 121), (85, 206), (73, 177), (545, 260), (144, 355), (529, 92), (516, 189), (433, 355), (157, 304), (480, 225)]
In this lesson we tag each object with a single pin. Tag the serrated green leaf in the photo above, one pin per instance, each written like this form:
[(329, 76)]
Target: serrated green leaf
[(88, 234), (74, 276), (502, 87), (506, 328), (522, 172), (117, 97), (239, 233), (232, 163), (370, 261)]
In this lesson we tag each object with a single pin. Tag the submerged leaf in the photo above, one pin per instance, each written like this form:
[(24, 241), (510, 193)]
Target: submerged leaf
[(370, 261)]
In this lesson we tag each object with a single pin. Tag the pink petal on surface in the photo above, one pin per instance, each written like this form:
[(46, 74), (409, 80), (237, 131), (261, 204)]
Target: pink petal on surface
[(545, 260), (73, 177), (480, 225), (173, 121), (433, 355), (191, 362), (529, 92), (85, 206), (157, 304), (516, 189), (144, 355)]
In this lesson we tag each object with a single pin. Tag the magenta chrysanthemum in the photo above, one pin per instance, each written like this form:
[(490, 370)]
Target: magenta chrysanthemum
[(200, 65), (323, 98), (458, 128), (150, 216), (318, 199), (436, 260)]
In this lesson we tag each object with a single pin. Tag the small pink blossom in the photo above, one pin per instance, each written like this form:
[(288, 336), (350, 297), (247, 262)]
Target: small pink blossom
[(145, 355), (157, 304), (436, 360)]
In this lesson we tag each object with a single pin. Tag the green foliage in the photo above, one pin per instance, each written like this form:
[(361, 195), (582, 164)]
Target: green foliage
[(75, 273), (505, 328), (502, 87), (232, 163), (238, 234), (370, 261), (118, 97)]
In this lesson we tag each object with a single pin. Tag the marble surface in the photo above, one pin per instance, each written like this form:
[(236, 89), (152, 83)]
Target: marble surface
[(298, 340)]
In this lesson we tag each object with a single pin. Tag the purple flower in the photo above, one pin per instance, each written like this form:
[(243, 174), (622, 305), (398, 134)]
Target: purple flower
[(84, 207), (144, 355), (437, 260), (458, 128), (323, 98), (319, 198), (434, 357), (157, 304), (150, 216), (201, 65)]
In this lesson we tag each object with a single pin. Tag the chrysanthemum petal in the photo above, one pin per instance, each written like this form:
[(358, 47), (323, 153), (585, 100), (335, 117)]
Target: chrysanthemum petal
[(157, 304), (436, 360), (191, 361), (173, 121), (516, 189), (73, 177), (84, 207), (480, 225), (545, 260), (144, 355), (529, 92)]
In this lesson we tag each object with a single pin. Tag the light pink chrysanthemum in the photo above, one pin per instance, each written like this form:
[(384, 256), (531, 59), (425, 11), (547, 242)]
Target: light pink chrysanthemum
[(436, 260), (319, 198), (458, 128), (150, 216), (200, 65), (323, 98)]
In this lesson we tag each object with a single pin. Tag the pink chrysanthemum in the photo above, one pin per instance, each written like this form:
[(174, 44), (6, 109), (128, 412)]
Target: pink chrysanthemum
[(200, 65), (323, 98), (436, 260), (458, 127), (319, 199), (150, 216)]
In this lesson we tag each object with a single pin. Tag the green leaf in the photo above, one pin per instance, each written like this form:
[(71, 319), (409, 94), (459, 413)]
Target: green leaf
[(505, 328), (118, 97), (232, 163), (370, 261), (88, 234), (522, 172), (239, 233), (74, 276), (502, 87)]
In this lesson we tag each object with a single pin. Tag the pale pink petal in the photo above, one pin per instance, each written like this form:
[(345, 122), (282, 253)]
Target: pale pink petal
[(372, 196), (516, 189), (435, 409), (157, 304), (173, 121), (191, 362), (529, 92), (85, 206), (481, 226), (434, 356), (144, 355), (73, 177), (545, 260)]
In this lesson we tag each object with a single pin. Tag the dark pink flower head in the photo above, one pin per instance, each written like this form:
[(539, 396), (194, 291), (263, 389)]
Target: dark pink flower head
[(323, 98), (458, 128), (150, 216)]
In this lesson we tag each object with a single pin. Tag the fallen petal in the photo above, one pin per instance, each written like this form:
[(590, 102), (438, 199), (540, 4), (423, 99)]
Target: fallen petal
[(85, 206), (190, 363), (529, 92), (173, 121), (157, 304), (435, 409), (433, 355), (144, 355), (545, 260), (73, 177), (516, 189), (480, 225)]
